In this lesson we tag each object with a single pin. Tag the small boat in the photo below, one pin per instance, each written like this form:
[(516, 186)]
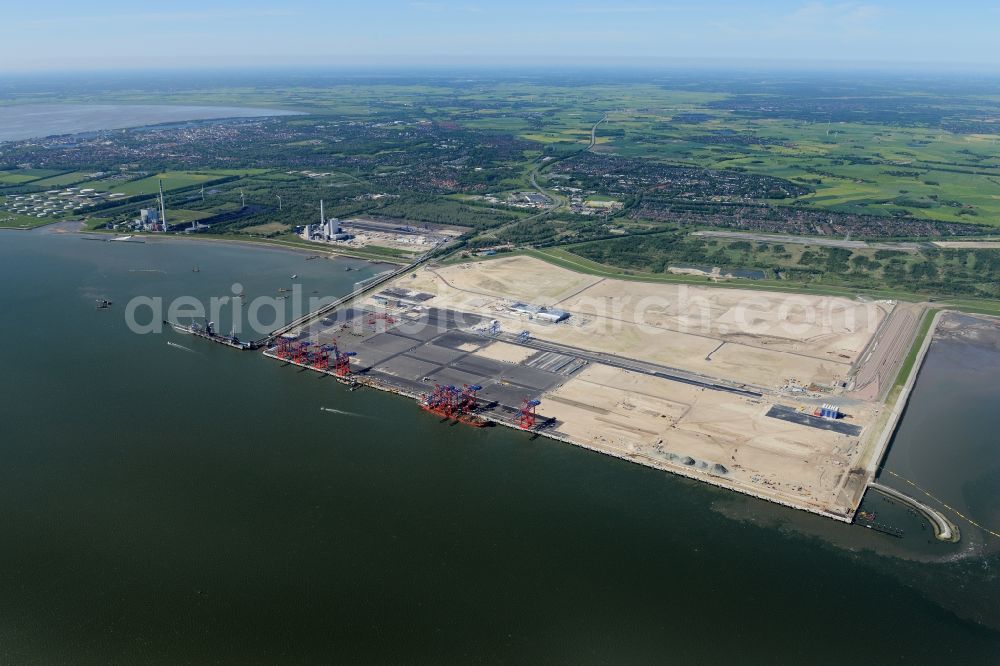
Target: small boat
[(294, 275), (103, 304), (196, 270)]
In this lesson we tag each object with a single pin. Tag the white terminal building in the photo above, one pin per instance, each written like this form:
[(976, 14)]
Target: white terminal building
[(541, 312)]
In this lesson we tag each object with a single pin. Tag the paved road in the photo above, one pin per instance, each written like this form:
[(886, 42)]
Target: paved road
[(875, 369), (643, 367), (557, 202), (593, 131), (366, 287), (810, 240)]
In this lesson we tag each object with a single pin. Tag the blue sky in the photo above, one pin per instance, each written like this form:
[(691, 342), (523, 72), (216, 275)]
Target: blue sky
[(44, 35)]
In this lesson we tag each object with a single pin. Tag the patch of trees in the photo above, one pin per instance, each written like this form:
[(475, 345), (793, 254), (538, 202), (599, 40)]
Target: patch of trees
[(931, 272), (622, 176), (795, 220)]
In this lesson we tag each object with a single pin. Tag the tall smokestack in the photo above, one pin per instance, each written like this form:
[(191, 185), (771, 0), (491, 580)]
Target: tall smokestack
[(322, 220), (163, 208)]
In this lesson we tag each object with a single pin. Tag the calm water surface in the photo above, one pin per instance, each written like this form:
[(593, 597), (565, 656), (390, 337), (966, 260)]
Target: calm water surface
[(162, 505), (25, 121)]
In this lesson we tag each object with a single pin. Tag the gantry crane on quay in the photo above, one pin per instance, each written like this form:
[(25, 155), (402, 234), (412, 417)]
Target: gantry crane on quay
[(455, 404), (324, 358)]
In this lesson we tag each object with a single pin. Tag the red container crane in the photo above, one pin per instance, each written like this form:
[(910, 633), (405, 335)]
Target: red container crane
[(528, 414)]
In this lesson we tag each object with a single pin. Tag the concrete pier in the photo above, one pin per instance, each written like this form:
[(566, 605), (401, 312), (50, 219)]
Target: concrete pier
[(944, 529)]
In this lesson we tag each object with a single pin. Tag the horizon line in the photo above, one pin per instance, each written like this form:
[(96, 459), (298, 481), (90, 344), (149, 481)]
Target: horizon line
[(637, 65)]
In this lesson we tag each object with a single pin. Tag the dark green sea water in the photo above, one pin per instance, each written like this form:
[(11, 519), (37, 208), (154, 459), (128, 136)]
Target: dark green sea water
[(161, 505)]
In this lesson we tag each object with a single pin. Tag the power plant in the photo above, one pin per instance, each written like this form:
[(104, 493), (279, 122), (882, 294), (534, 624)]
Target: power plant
[(163, 209), (326, 230)]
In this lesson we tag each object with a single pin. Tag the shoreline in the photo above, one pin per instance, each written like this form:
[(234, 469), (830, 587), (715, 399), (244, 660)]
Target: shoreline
[(902, 399), (277, 245), (944, 528), (877, 455), (943, 517), (203, 112), (704, 477), (854, 484), (968, 306)]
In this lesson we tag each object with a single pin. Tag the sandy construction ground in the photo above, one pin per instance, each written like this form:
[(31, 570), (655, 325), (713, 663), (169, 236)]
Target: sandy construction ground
[(508, 353), (819, 326), (796, 350), (721, 436), (518, 278), (970, 245), (755, 337)]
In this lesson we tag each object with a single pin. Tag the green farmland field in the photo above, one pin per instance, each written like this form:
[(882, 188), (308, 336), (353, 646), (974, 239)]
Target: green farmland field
[(15, 221), (172, 180), (64, 179)]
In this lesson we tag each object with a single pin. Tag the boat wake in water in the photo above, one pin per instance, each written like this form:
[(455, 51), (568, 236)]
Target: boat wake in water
[(174, 344), (343, 413)]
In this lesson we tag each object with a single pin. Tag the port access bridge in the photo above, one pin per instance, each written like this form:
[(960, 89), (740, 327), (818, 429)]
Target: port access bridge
[(366, 286)]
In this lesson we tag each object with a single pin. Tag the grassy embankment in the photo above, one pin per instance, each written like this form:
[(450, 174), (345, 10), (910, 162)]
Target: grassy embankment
[(569, 261)]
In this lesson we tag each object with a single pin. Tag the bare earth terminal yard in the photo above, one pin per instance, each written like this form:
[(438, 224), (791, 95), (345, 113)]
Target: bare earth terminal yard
[(719, 384)]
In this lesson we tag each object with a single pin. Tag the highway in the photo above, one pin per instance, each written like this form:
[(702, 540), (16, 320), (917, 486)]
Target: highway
[(557, 201), (810, 240), (593, 131), (845, 243)]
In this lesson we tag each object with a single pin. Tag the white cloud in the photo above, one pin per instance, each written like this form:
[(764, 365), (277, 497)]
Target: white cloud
[(615, 9), (157, 17), (435, 7), (844, 17)]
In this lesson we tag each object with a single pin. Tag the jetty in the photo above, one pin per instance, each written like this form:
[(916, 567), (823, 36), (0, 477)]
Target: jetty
[(944, 529)]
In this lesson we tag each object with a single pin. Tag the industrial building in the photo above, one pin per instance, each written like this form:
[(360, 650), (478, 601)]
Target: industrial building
[(539, 312), (828, 411), (148, 216), (327, 230), (334, 232)]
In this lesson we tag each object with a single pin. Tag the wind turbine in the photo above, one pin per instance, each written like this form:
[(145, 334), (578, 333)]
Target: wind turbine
[(279, 201), (243, 200)]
